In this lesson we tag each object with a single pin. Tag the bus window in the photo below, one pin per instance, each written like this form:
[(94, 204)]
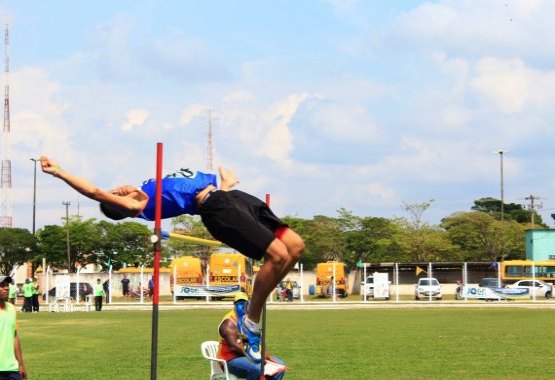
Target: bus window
[(513, 271)]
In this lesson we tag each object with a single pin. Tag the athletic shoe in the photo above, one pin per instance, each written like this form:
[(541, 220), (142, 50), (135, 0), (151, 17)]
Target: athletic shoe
[(240, 310), (252, 343)]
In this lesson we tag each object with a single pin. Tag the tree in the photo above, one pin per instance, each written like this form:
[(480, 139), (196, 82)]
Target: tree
[(511, 211), (367, 239), (17, 246), (52, 244), (85, 242), (420, 241), (481, 237), (100, 243), (323, 240), (190, 225), (125, 243)]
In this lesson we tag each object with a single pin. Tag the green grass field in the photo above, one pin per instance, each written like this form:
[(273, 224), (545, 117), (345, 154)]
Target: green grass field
[(447, 343)]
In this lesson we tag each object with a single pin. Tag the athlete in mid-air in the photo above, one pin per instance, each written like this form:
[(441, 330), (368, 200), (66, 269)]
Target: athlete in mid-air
[(233, 217)]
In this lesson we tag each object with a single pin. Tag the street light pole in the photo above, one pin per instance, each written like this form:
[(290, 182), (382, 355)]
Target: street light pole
[(34, 192), (67, 237), (30, 269), (501, 152)]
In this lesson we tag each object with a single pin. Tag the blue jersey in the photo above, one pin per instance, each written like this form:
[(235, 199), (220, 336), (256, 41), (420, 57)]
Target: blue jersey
[(178, 193)]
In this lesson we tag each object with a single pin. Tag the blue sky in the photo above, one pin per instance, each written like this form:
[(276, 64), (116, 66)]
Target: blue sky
[(364, 105)]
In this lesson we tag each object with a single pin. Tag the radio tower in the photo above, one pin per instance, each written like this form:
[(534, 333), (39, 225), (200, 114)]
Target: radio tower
[(6, 175), (209, 157)]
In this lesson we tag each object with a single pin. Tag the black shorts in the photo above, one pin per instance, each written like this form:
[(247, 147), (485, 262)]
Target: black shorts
[(7, 375), (241, 221)]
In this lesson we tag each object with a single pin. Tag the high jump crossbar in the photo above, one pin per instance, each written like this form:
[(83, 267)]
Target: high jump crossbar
[(191, 239)]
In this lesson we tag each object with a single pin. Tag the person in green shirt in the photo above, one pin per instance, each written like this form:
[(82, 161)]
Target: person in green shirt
[(11, 357), (98, 293), (35, 296), (12, 295), (28, 294)]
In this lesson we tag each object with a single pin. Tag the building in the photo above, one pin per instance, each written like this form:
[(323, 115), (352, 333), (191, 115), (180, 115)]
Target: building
[(540, 245)]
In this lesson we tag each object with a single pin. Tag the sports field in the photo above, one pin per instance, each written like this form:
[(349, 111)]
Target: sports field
[(445, 343)]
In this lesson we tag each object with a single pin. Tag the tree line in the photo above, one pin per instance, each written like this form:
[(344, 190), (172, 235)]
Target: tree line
[(481, 234)]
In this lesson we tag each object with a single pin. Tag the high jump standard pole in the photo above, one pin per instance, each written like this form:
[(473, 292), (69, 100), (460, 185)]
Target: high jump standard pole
[(157, 240), (263, 340)]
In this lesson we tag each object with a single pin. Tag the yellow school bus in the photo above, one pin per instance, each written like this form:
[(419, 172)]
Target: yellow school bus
[(324, 275), (188, 271), (514, 270), (228, 269)]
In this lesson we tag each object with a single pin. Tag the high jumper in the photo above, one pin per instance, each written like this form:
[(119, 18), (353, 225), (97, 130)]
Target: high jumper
[(237, 219)]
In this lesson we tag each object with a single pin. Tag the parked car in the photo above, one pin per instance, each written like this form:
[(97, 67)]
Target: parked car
[(296, 290), (84, 290), (491, 282), (368, 287), (427, 287), (540, 288)]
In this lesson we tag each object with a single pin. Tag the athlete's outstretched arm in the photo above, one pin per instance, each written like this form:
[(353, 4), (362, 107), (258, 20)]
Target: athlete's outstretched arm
[(87, 189)]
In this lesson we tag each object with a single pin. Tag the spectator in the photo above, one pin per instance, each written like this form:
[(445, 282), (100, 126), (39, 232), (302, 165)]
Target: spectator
[(106, 288), (232, 351), (11, 357), (35, 296), (289, 289), (98, 293), (28, 295), (151, 287), (12, 293), (139, 291), (125, 286)]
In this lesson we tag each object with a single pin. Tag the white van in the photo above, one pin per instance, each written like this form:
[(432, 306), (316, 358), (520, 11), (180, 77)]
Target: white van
[(376, 286), (367, 288)]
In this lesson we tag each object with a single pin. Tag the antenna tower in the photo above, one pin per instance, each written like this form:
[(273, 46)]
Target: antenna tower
[(209, 156), (6, 175)]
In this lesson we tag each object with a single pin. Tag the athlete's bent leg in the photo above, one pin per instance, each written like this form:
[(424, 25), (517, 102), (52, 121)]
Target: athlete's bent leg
[(280, 258)]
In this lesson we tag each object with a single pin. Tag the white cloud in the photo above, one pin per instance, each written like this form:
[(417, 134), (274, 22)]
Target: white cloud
[(501, 27), (276, 142), (240, 96), (511, 85), (192, 111), (186, 59), (111, 42), (340, 122), (262, 129), (135, 118), (37, 111)]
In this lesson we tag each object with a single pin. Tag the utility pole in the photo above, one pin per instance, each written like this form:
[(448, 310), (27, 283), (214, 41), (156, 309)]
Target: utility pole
[(67, 237), (532, 207)]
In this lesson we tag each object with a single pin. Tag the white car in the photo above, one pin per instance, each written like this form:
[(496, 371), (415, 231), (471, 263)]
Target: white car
[(537, 287), (426, 288)]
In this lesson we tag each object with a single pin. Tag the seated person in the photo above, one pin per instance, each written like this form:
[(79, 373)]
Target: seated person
[(231, 347)]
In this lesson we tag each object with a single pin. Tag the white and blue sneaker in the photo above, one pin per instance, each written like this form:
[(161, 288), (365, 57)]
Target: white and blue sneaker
[(251, 342), (241, 311)]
